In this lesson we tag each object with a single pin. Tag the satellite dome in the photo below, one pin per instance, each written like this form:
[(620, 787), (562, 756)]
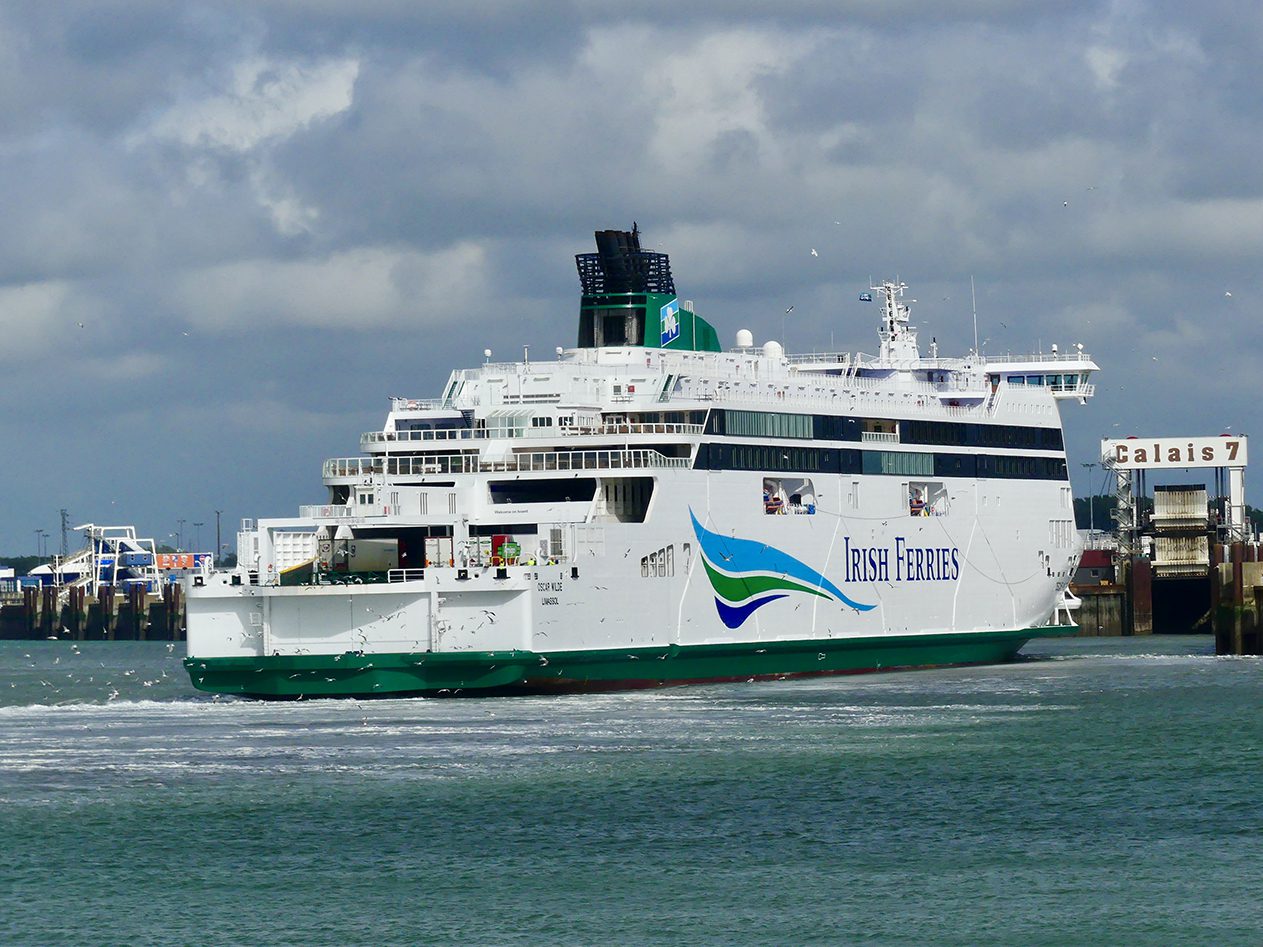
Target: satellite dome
[(773, 349), (745, 339)]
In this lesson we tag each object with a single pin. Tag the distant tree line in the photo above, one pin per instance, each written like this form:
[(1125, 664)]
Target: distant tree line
[(1099, 514), (20, 565)]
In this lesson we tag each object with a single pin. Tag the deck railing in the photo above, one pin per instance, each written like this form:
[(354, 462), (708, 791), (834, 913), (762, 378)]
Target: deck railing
[(326, 511), (1037, 357), (342, 467), (373, 439), (417, 404)]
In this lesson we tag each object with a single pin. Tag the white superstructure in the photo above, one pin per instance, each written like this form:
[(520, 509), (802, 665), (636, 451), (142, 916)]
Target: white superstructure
[(664, 496)]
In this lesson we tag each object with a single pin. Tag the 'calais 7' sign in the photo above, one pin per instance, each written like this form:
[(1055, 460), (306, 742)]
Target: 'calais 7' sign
[(1140, 453)]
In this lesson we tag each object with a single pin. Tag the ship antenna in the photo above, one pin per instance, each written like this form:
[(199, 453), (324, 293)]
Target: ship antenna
[(974, 296)]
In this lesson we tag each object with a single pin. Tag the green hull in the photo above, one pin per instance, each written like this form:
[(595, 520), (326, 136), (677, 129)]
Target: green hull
[(491, 672)]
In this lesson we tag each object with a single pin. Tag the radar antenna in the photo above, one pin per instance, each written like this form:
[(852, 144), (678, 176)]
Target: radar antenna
[(898, 339)]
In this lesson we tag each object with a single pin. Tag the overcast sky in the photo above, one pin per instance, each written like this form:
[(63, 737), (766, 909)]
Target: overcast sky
[(231, 230)]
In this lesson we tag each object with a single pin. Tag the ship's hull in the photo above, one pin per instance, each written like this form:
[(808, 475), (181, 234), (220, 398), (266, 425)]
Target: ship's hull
[(708, 587), (500, 672), (650, 510)]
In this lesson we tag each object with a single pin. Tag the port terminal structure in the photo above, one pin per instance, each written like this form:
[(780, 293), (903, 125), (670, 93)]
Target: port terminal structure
[(116, 586), (1194, 557)]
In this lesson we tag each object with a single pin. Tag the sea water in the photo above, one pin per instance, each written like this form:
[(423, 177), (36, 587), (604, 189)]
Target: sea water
[(1099, 791)]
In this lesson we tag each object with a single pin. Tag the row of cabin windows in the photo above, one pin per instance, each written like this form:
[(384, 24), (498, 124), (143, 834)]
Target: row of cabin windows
[(768, 424), (896, 463), (657, 417), (828, 427), (1051, 381)]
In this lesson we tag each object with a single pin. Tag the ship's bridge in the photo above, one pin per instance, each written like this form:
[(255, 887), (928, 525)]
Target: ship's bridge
[(1065, 374)]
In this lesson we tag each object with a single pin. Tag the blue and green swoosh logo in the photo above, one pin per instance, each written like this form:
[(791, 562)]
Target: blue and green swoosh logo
[(746, 575)]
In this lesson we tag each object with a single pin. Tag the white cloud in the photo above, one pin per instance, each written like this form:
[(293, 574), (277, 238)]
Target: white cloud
[(710, 90), (266, 100), (290, 215), (1105, 64), (355, 289), (263, 102)]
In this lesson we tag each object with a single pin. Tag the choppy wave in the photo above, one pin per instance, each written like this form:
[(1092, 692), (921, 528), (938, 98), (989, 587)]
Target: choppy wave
[(1157, 656)]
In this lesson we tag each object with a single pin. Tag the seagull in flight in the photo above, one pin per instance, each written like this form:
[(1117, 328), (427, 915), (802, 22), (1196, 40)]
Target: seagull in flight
[(789, 310), (1226, 293), (813, 252)]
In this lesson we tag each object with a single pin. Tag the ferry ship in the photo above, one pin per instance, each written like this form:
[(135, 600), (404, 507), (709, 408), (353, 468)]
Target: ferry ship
[(650, 509)]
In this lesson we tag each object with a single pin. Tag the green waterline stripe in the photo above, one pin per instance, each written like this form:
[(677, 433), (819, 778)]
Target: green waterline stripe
[(489, 672), (455, 660)]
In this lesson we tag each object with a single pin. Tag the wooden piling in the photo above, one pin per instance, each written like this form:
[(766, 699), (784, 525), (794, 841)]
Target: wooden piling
[(115, 615), (1140, 592), (30, 605), (1237, 554), (109, 616)]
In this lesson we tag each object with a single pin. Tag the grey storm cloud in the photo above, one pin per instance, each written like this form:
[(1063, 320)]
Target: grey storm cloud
[(232, 229)]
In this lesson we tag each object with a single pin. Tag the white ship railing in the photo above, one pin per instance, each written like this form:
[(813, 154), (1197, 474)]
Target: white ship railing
[(881, 437), (586, 460), (326, 512), (815, 358), (1038, 357), (405, 575), (417, 404), (924, 400), (340, 467), (373, 439), (807, 386), (1081, 390), (651, 429)]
